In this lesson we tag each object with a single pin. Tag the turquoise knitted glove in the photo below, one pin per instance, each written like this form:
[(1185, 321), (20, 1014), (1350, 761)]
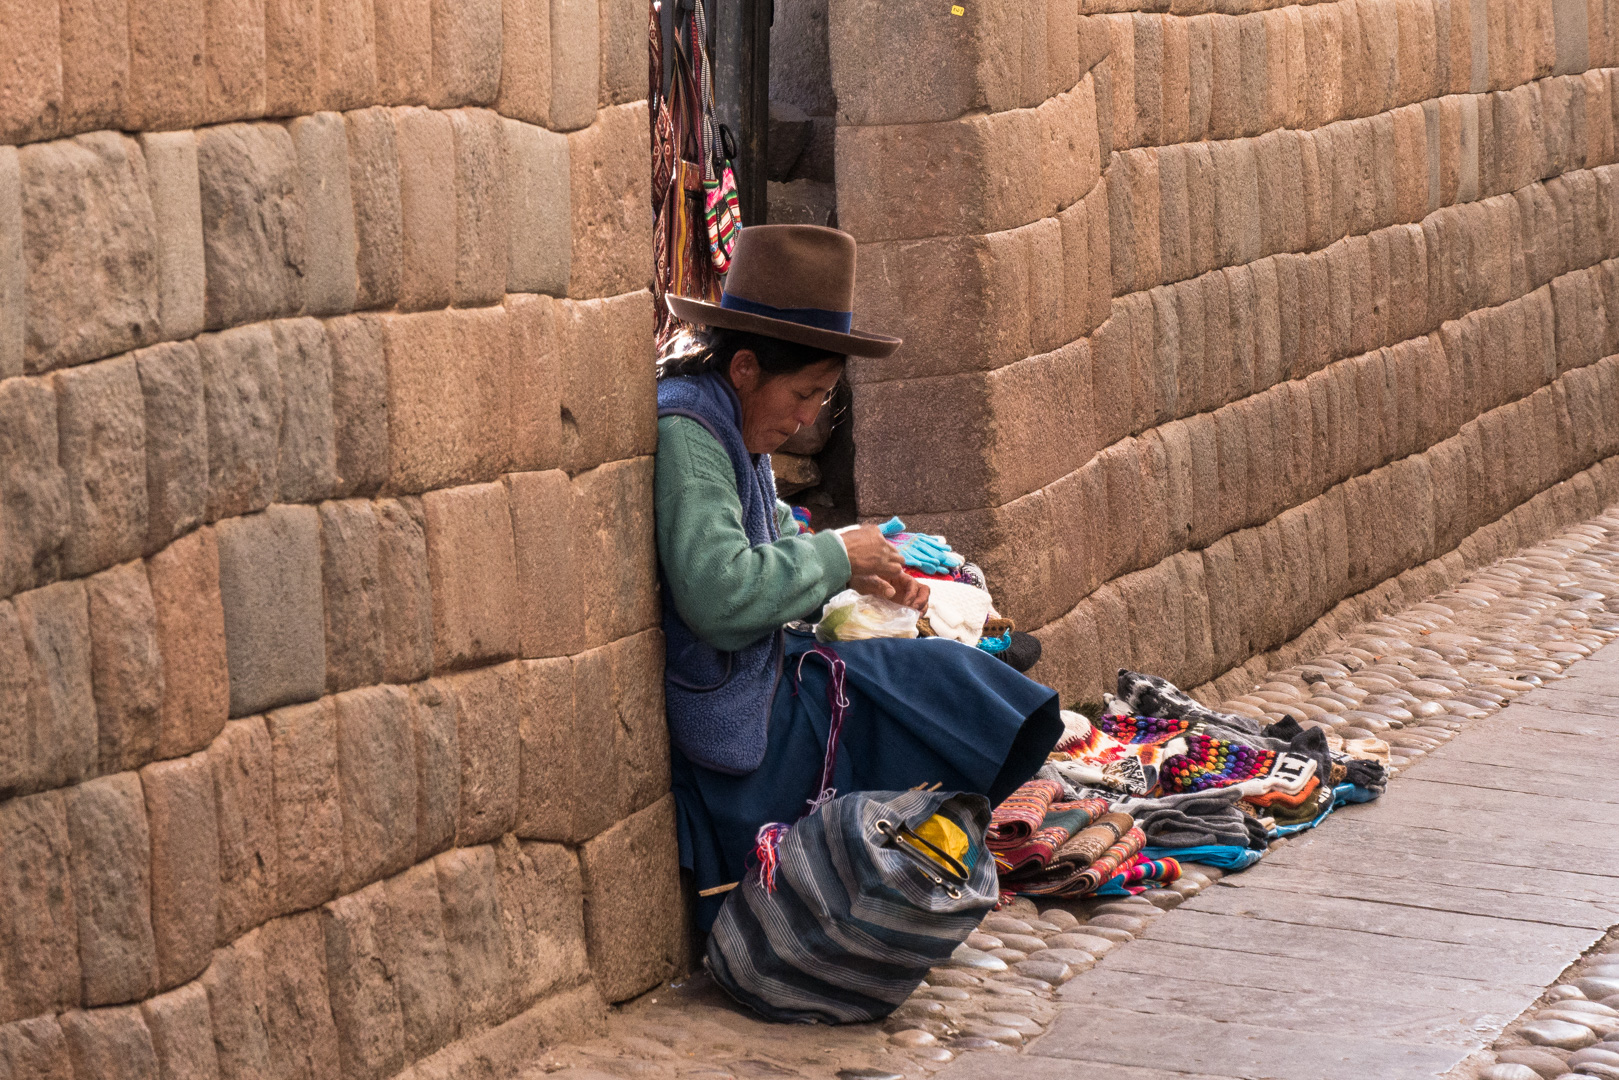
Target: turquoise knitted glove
[(930, 554)]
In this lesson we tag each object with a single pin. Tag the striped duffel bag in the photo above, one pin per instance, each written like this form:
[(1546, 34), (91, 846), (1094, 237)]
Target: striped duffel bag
[(850, 907)]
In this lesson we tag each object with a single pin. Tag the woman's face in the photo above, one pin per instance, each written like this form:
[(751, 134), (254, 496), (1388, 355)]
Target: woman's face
[(774, 408)]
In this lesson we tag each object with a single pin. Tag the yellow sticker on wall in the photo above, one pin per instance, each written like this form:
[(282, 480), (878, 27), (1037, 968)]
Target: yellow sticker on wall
[(957, 9)]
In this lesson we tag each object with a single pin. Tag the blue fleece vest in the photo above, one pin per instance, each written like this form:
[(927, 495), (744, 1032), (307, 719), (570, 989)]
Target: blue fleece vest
[(719, 703)]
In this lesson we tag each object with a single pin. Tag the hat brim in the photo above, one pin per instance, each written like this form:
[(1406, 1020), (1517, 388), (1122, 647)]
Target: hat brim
[(856, 343)]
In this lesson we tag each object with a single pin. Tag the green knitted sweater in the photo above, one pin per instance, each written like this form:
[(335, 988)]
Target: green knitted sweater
[(730, 592)]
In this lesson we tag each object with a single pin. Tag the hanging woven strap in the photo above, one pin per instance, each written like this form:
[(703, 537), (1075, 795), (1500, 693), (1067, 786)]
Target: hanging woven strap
[(769, 836)]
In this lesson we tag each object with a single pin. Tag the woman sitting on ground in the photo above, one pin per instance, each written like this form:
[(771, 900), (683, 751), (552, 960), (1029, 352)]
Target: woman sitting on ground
[(748, 717)]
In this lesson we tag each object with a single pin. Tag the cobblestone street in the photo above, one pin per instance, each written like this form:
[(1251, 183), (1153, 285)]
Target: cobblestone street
[(1416, 936)]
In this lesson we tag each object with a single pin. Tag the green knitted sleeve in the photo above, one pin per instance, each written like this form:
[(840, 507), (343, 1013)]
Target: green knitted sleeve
[(729, 591)]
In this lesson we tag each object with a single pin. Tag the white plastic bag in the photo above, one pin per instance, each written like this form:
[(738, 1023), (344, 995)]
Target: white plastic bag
[(854, 616)]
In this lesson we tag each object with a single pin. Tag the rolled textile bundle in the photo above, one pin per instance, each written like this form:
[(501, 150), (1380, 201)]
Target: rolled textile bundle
[(1062, 821), (1144, 872), (1108, 864), (1072, 858), (1021, 814)]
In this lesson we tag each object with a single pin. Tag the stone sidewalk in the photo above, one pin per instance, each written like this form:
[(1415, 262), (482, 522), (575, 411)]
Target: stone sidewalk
[(1391, 943)]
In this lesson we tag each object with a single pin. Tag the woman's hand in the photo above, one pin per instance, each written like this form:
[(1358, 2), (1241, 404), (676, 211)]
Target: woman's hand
[(871, 556), (912, 593)]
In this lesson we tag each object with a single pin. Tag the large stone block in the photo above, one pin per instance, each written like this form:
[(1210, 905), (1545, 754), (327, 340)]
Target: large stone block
[(377, 781), (447, 417), (331, 274), (238, 1006), (270, 588), (347, 75), (472, 567), (482, 247), (359, 404), (306, 459), (126, 670), (182, 1034), (291, 57), (176, 440), (990, 61), (308, 805), (438, 767), (404, 50), (111, 1043), (184, 580), (373, 157), (243, 761), (300, 1034), (425, 142), (608, 401), (466, 53), (489, 709), (539, 218), (101, 425), (39, 949), (418, 960), (95, 63), (51, 685), (535, 390), (33, 486), (89, 239), (31, 84), (364, 1001), (624, 52), (634, 920), (559, 720), (13, 269), (614, 549), (525, 68), (480, 966), (641, 732), (253, 223), (542, 914), (877, 164), (171, 169), (575, 63), (351, 573), (243, 395), (610, 181), (184, 827), (112, 882), (406, 592), (233, 57)]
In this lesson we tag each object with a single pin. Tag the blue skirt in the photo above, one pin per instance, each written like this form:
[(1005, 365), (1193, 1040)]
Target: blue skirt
[(921, 711)]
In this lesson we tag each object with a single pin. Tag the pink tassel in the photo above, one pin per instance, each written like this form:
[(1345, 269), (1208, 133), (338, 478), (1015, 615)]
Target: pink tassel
[(764, 849)]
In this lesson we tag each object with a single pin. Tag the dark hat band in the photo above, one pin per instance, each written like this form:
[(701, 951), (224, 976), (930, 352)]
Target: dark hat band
[(819, 318)]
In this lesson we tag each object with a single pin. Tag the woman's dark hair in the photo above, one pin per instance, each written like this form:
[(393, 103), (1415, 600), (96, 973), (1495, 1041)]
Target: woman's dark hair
[(712, 350)]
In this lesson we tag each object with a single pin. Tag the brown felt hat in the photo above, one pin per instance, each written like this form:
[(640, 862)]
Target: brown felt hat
[(793, 282)]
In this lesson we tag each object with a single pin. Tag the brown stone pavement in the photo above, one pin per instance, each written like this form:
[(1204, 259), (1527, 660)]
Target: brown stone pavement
[(1393, 941)]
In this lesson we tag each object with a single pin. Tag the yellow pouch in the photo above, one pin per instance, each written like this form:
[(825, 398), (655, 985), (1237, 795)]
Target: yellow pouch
[(945, 835)]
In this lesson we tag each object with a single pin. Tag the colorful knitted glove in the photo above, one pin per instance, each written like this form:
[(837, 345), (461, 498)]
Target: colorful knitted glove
[(921, 550)]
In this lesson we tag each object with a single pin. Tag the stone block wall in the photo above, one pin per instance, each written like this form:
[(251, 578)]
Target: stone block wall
[(1230, 322), (331, 728)]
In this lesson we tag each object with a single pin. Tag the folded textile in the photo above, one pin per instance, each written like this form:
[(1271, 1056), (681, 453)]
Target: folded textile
[(1072, 790), (1319, 802), (1073, 857), (1062, 821), (1087, 755), (958, 611), (1352, 793), (1222, 856), (1211, 763), (1194, 819), (1282, 798), (1021, 814), (1149, 695), (1106, 865)]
